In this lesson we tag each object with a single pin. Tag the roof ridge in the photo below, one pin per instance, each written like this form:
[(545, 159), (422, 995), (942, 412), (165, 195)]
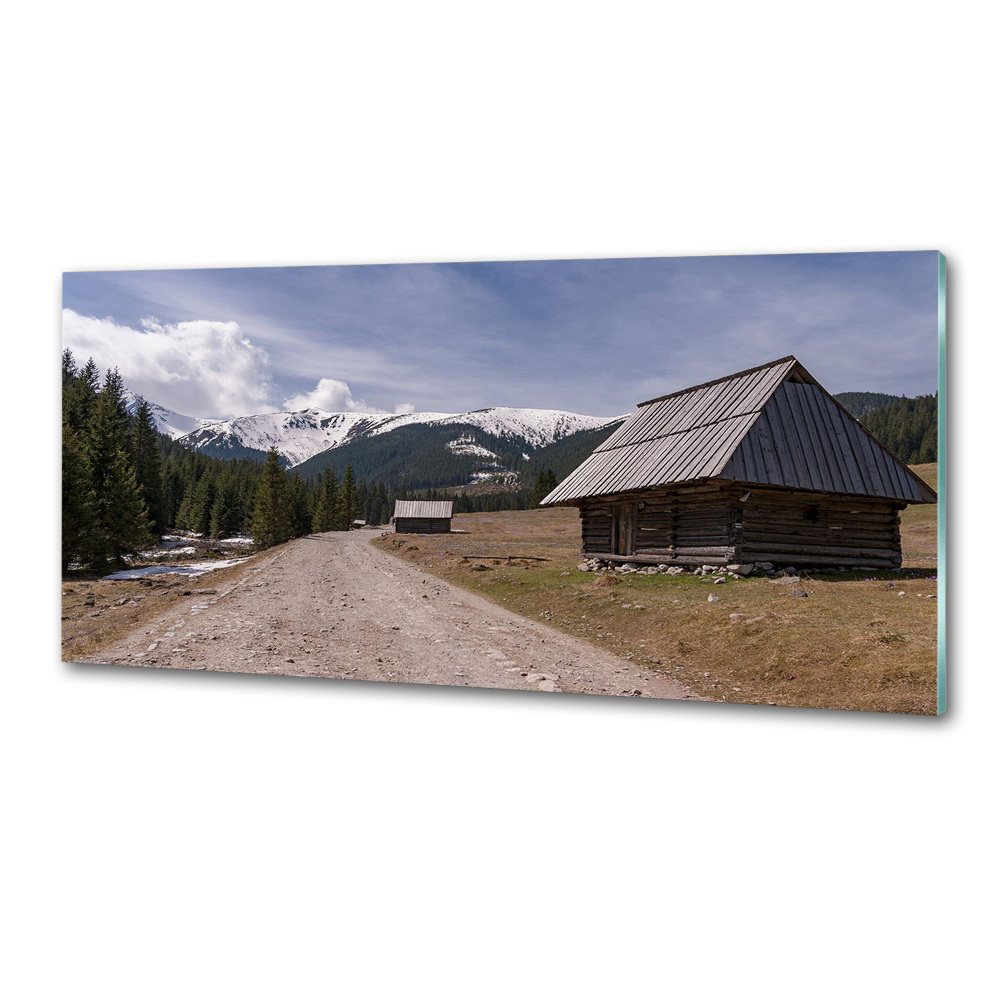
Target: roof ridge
[(724, 378)]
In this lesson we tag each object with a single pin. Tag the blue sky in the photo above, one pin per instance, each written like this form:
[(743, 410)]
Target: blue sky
[(592, 336)]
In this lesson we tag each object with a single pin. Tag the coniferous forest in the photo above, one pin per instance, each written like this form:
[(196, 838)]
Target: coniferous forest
[(125, 484), (907, 426)]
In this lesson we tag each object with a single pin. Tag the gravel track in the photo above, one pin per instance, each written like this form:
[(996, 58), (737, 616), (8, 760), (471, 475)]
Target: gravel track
[(332, 605)]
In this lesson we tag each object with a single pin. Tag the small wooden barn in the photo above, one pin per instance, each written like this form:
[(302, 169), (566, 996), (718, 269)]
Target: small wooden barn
[(761, 466), (422, 517)]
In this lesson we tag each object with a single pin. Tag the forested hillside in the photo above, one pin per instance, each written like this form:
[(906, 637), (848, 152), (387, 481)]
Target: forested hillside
[(418, 457), (908, 428), (422, 457), (562, 457), (860, 403)]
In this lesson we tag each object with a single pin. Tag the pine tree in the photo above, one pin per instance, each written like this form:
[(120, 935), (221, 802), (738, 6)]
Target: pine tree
[(225, 515), (78, 502), (122, 521), (70, 390), (298, 506), (325, 509), (347, 502), (90, 375), (107, 427), (363, 499), (200, 512), (537, 491), (186, 516), (121, 511), (79, 391), (271, 525), (69, 371), (146, 459)]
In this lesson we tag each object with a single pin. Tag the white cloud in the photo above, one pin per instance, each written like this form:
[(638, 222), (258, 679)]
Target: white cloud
[(330, 394), (334, 395), (202, 368)]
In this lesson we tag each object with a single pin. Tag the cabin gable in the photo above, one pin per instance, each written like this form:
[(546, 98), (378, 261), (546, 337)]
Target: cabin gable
[(803, 439)]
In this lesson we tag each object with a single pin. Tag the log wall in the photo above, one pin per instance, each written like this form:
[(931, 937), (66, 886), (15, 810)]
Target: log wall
[(810, 529), (422, 525), (711, 523), (684, 525), (595, 526)]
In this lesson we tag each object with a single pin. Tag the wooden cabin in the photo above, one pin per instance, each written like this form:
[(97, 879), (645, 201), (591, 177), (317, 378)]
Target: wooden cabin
[(422, 517), (763, 466)]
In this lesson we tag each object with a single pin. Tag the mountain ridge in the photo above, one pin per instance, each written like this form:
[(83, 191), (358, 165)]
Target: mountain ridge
[(501, 445), (300, 435), (175, 425)]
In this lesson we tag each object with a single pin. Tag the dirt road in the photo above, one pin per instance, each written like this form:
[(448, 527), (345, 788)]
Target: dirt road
[(334, 606)]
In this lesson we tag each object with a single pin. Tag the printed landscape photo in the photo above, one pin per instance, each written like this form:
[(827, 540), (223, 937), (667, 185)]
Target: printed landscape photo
[(703, 478)]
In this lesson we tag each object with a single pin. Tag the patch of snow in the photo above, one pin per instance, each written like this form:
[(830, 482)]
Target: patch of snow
[(494, 474), (183, 569), (173, 543), (466, 445), (235, 540), (173, 550)]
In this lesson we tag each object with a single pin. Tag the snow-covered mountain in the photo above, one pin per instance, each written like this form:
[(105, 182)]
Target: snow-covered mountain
[(301, 435), (167, 422)]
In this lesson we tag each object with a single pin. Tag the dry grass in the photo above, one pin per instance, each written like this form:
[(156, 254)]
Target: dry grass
[(854, 643), (96, 611), (919, 524)]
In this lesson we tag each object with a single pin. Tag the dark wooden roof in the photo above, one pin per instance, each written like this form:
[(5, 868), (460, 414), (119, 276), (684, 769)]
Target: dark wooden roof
[(772, 425), (423, 508)]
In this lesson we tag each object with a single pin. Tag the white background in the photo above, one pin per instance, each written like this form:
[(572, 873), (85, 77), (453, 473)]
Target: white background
[(214, 836)]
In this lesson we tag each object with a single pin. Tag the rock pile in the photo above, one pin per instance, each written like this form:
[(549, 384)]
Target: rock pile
[(594, 565)]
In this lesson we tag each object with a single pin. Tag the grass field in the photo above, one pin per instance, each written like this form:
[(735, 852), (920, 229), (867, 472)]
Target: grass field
[(854, 643), (919, 525)]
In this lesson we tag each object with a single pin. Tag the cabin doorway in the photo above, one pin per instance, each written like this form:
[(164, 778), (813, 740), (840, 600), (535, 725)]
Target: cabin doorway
[(623, 517)]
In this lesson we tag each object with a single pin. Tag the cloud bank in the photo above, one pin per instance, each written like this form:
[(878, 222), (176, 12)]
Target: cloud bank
[(201, 368)]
